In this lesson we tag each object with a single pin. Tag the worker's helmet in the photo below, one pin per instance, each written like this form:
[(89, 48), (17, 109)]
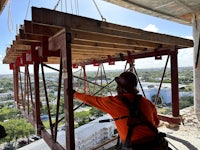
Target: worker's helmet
[(127, 80), (2, 132)]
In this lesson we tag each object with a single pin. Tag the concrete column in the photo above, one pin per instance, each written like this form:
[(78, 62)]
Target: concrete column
[(196, 36)]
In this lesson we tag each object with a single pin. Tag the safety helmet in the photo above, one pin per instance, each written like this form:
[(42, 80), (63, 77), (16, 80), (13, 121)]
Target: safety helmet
[(127, 80), (2, 132)]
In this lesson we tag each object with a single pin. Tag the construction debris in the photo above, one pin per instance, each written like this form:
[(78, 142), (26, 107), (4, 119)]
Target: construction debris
[(185, 136)]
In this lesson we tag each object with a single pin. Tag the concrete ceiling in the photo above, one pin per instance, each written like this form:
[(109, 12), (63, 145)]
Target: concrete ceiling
[(180, 11)]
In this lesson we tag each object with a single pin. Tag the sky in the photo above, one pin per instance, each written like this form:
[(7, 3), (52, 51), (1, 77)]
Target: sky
[(16, 11)]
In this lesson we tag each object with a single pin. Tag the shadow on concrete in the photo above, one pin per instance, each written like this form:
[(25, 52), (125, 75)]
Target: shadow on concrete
[(184, 142)]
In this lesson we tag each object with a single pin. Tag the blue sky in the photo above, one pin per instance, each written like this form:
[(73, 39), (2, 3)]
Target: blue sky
[(19, 11)]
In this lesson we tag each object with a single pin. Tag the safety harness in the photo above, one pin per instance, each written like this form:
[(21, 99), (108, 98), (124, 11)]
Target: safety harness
[(135, 118)]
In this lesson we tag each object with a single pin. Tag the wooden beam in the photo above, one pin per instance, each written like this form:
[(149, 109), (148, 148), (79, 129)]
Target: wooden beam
[(20, 47), (29, 37), (40, 29), (48, 139), (109, 39), (170, 119), (111, 46), (68, 90), (25, 41), (46, 14)]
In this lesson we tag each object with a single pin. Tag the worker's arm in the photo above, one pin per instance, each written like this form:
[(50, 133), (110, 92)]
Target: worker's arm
[(102, 103)]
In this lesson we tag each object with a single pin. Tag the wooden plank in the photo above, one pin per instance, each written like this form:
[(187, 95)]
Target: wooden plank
[(46, 14), (91, 52), (56, 41), (77, 22), (91, 37), (142, 36), (29, 37), (48, 139), (113, 46), (40, 29), (20, 47), (25, 41)]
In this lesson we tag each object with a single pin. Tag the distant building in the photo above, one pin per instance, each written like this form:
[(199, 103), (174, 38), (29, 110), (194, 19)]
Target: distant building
[(151, 89), (94, 133), (9, 96), (87, 136)]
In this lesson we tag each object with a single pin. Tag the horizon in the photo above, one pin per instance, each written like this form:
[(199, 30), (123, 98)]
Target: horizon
[(152, 69)]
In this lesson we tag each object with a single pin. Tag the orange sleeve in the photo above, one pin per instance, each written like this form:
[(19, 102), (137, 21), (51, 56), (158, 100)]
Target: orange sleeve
[(106, 104), (116, 108), (111, 105)]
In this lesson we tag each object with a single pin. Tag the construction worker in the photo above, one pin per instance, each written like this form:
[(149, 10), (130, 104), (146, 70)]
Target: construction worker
[(142, 136), (2, 132)]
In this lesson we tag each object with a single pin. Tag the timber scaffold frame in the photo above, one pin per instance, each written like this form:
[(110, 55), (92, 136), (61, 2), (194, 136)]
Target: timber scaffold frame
[(54, 37)]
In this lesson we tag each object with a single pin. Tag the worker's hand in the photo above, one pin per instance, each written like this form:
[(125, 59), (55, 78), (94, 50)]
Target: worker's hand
[(73, 91)]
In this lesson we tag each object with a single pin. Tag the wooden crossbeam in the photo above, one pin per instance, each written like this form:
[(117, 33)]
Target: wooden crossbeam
[(67, 20), (40, 29)]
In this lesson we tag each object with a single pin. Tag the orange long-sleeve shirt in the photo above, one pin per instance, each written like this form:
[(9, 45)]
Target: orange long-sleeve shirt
[(114, 106)]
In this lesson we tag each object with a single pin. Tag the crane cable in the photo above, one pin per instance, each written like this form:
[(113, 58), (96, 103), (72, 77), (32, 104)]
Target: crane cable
[(76, 7), (27, 9), (10, 17), (103, 19), (56, 5)]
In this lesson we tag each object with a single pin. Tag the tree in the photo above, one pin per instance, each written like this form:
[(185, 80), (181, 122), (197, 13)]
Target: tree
[(96, 112), (186, 101), (7, 113), (17, 128), (81, 117)]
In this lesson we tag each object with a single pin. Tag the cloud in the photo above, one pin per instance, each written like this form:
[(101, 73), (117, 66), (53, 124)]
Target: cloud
[(151, 28), (151, 62), (185, 57)]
